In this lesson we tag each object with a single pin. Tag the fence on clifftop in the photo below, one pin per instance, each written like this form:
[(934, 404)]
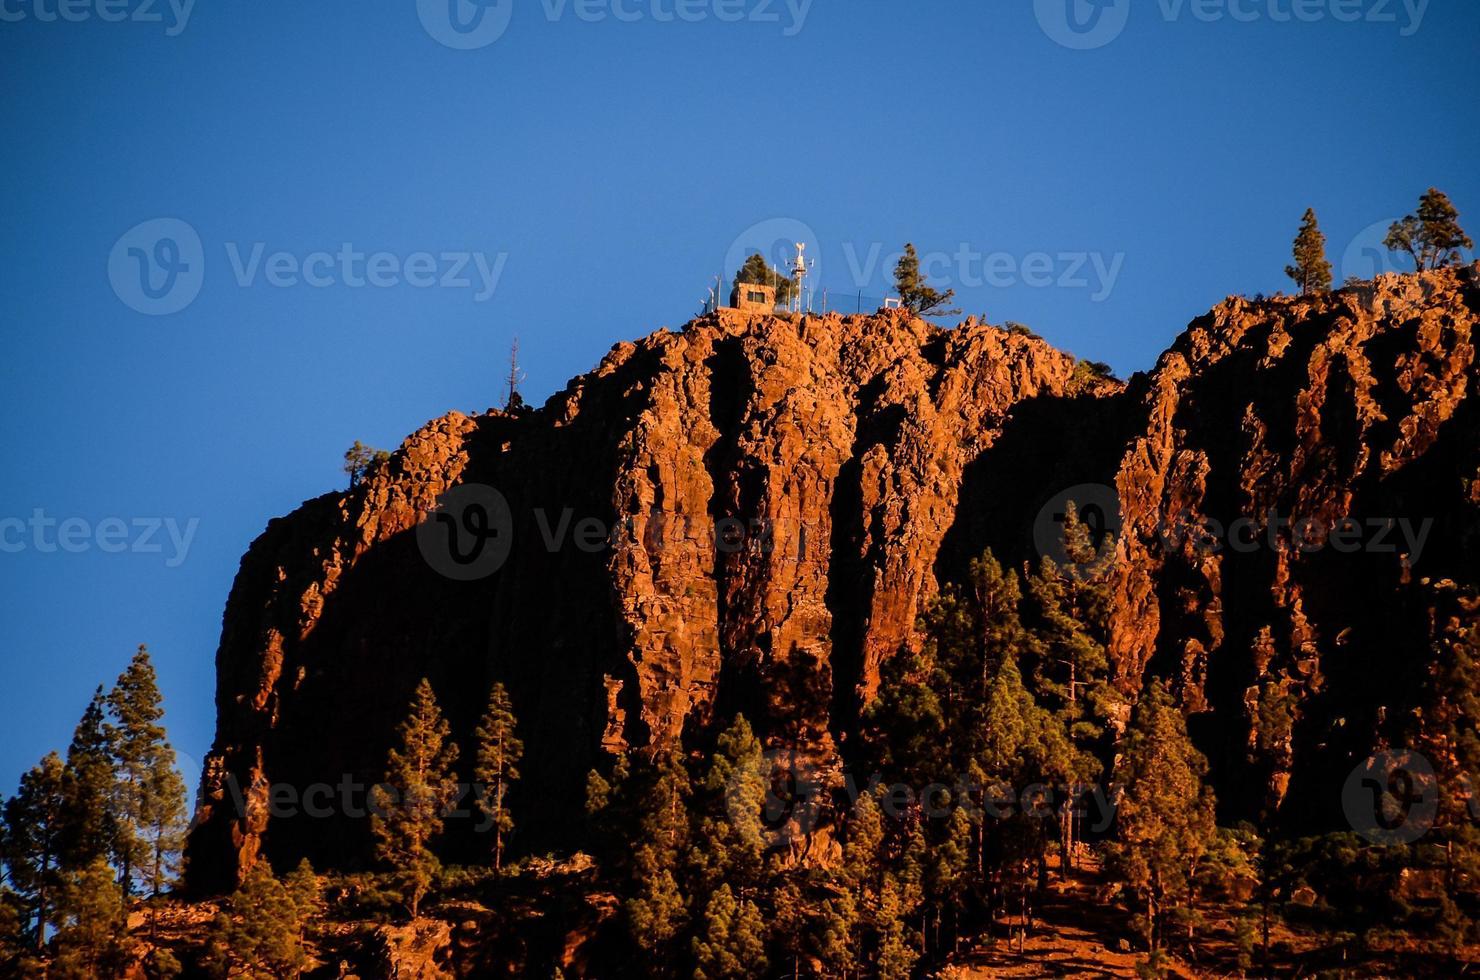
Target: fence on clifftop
[(820, 300)]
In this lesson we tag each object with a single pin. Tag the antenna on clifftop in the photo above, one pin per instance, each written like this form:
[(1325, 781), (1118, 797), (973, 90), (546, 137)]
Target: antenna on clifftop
[(515, 377), (799, 272)]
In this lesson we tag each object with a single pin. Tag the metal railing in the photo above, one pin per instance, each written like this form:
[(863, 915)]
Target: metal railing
[(821, 300)]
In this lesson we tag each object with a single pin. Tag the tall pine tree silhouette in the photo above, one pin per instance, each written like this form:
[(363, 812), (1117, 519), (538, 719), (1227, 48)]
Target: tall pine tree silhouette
[(499, 753), (1311, 271), (150, 808), (419, 785)]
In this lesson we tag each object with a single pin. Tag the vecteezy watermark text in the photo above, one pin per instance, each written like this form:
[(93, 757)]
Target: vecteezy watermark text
[(112, 535), (175, 14), (799, 795), (348, 266), (970, 267), (357, 800), (1098, 509), (470, 533), (467, 25), (869, 266), (158, 267), (1087, 24)]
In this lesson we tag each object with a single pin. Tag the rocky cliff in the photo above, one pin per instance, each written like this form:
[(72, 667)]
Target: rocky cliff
[(747, 514)]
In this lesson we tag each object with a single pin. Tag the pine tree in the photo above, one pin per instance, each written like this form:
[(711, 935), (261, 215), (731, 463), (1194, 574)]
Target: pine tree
[(1433, 236), (91, 789), (15, 944), (904, 728), (911, 870), (259, 930), (948, 879), (835, 940), (1070, 606), (360, 460), (92, 926), (730, 842), (1165, 817), (410, 806), (758, 272), (732, 939), (150, 805), (970, 630), (861, 871), (1311, 271), (1024, 745), (918, 296), (896, 955), (305, 892), (499, 754), (1442, 234), (657, 913), (165, 823), (609, 812), (34, 821), (1406, 235)]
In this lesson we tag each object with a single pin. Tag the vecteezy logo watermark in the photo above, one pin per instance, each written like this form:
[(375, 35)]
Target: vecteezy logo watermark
[(465, 25), (157, 267), (1099, 510), (794, 795), (1097, 507), (111, 535), (469, 24), (776, 240), (1082, 24), (354, 799), (1086, 24), (1391, 797), (967, 266), (1305, 11), (784, 796), (972, 268), (468, 535), (350, 267), (1367, 257), (176, 13)]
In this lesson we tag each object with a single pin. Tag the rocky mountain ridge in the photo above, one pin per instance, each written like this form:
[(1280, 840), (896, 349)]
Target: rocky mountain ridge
[(748, 514)]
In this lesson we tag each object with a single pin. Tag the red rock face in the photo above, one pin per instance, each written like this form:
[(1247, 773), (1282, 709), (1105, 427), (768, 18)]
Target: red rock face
[(1304, 413), (781, 496)]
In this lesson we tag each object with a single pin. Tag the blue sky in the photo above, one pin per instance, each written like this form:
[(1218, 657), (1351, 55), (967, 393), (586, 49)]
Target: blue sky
[(600, 162)]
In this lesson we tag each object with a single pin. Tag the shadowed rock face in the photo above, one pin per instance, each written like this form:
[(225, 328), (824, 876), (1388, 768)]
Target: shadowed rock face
[(781, 496), (1357, 405), (779, 490)]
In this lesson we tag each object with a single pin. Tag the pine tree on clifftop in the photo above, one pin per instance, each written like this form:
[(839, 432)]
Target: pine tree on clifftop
[(917, 295), (1433, 236), (1311, 271), (408, 810)]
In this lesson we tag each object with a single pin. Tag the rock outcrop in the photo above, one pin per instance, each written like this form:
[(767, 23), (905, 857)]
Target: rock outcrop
[(748, 514), (1302, 536)]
